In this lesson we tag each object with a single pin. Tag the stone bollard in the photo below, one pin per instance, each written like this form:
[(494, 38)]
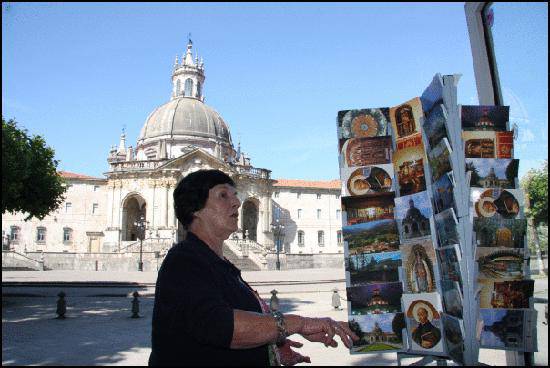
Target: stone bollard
[(135, 305), (61, 306), (274, 301), (336, 299)]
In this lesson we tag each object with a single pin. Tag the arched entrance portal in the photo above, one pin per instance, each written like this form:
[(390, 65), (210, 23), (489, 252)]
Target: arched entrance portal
[(250, 219), (134, 206)]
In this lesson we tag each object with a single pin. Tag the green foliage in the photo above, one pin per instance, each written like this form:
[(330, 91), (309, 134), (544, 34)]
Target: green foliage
[(30, 182), (535, 185)]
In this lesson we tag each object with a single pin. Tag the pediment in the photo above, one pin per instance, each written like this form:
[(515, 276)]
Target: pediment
[(198, 159)]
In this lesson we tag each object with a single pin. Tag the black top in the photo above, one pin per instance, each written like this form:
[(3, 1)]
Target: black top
[(195, 295)]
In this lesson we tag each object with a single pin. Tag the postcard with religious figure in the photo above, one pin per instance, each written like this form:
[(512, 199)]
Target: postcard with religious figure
[(439, 159), (432, 95), (502, 203), (406, 118), (371, 237), (452, 298), (446, 226), (357, 152), (509, 329), (413, 213), (505, 294), (501, 263), (377, 332), (363, 123), (408, 164), (454, 337), (423, 316), (505, 144), (367, 180), (375, 298), (373, 268), (443, 193), (435, 125), (368, 208), (484, 117), (499, 232), (419, 267), (493, 173)]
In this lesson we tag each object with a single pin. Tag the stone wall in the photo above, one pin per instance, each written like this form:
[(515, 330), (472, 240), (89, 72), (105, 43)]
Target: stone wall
[(300, 261)]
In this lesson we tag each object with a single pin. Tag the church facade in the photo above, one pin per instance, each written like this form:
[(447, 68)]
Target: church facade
[(102, 215)]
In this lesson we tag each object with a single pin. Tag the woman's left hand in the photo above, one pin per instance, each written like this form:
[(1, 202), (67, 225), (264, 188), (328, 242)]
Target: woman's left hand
[(289, 356)]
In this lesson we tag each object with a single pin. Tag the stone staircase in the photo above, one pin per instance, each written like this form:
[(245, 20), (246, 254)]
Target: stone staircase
[(14, 261), (250, 259)]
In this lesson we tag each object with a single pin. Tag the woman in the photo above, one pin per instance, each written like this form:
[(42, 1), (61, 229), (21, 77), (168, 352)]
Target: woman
[(204, 312)]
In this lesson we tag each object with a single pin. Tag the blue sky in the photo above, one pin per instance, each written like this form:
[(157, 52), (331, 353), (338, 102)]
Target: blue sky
[(277, 73)]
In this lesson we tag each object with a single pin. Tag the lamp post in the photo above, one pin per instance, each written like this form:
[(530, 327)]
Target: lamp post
[(278, 235), (141, 224)]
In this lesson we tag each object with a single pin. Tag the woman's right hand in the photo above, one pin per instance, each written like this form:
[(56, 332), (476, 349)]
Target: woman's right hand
[(324, 329)]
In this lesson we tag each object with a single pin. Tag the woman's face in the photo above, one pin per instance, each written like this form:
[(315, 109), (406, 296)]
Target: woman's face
[(221, 211)]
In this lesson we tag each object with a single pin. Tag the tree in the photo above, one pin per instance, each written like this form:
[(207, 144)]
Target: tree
[(30, 182)]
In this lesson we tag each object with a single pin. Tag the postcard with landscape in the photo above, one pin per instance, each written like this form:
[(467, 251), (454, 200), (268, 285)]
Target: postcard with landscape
[(406, 118), (375, 298), (454, 337), (439, 159), (367, 208), (499, 232), (505, 294), (373, 268), (446, 225), (371, 237), (501, 263), (493, 173), (509, 329), (443, 193), (378, 332), (408, 164), (435, 125), (502, 203), (362, 123), (433, 94), (367, 180), (419, 267), (484, 117), (357, 152), (423, 316), (413, 213), (452, 297)]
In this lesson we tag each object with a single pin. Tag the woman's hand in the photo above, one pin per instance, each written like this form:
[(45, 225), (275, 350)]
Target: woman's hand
[(289, 356), (324, 329)]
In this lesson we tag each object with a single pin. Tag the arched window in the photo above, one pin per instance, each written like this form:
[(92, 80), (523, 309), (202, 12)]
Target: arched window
[(198, 94), (178, 87), (188, 87), (301, 238), (321, 238)]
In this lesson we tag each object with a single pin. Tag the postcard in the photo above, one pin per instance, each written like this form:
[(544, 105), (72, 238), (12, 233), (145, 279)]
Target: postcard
[(499, 232), (408, 164), (502, 203), (378, 332), (414, 140), (371, 237), (500, 263), (492, 173), (373, 268), (433, 94), (446, 225), (452, 298), (505, 144), (443, 193), (357, 152), (423, 316), (413, 214), (367, 180), (484, 117), (362, 123), (505, 294), (367, 208), (406, 118), (419, 262), (439, 159), (509, 329), (454, 337), (449, 263), (435, 125), (479, 144), (375, 298)]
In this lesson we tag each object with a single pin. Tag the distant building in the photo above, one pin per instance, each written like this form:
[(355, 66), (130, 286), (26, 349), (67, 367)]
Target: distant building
[(415, 224)]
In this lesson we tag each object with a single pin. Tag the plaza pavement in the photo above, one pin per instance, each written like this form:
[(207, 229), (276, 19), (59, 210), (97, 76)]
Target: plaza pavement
[(98, 329)]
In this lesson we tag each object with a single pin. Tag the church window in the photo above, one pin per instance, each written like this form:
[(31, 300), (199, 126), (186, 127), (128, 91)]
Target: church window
[(96, 188), (339, 237), (14, 234), (178, 87), (338, 214), (337, 196), (299, 213), (41, 234), (318, 196), (188, 87), (198, 94), (321, 238), (298, 195), (68, 207), (318, 214), (276, 194), (67, 235), (301, 238), (95, 207)]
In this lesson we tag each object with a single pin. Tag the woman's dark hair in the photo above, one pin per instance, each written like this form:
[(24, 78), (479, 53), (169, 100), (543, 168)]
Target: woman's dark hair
[(192, 192)]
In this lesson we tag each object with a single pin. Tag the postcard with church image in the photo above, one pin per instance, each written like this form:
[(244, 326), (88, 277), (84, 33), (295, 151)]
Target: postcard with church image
[(408, 164), (413, 213), (432, 95), (367, 208), (501, 263), (493, 173), (449, 263), (443, 193), (498, 232), (435, 125), (375, 298), (419, 267), (406, 118), (373, 268), (482, 118), (371, 237), (361, 123), (508, 329), (499, 203), (367, 180), (505, 294), (424, 325), (377, 332), (439, 159), (451, 293), (446, 226), (479, 144), (358, 152), (454, 337)]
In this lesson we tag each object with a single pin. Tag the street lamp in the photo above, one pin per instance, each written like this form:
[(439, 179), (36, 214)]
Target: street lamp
[(141, 224), (278, 235)]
